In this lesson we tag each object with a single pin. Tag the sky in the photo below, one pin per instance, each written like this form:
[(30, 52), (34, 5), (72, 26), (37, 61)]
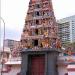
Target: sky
[(14, 12)]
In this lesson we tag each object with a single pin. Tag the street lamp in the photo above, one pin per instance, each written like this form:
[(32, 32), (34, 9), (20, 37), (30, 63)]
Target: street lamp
[(3, 42)]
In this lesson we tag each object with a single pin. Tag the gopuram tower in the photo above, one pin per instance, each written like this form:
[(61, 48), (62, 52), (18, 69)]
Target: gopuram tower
[(39, 40)]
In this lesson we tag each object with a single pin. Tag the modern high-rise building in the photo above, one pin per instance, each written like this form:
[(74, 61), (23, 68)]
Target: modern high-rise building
[(66, 30), (11, 43)]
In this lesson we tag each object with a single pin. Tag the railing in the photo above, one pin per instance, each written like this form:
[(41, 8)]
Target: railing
[(35, 26), (40, 49), (37, 17), (14, 59), (32, 37), (37, 9), (38, 36), (66, 59)]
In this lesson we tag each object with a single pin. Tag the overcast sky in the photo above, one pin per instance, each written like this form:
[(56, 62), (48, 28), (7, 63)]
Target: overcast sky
[(14, 13)]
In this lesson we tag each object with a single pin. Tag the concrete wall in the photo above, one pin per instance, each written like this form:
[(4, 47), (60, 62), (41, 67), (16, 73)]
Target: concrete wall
[(71, 69), (14, 70), (62, 70), (71, 73)]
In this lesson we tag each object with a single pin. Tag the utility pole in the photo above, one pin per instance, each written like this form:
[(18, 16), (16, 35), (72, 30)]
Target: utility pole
[(3, 44)]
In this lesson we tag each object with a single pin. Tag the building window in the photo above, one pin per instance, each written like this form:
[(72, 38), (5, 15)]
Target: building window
[(36, 31), (45, 13), (37, 22), (35, 42), (37, 6), (37, 13)]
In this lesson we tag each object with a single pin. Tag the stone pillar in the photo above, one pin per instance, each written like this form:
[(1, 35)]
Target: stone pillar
[(24, 64), (51, 63)]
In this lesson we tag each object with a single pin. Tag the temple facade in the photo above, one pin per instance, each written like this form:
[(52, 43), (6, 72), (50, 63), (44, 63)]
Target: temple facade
[(39, 41)]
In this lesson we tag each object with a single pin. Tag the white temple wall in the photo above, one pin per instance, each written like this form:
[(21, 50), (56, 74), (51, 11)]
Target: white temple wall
[(62, 70), (14, 70)]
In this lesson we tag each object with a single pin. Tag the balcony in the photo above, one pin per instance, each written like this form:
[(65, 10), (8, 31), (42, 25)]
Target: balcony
[(13, 61), (37, 17), (35, 26), (39, 26), (32, 37), (42, 17), (37, 9)]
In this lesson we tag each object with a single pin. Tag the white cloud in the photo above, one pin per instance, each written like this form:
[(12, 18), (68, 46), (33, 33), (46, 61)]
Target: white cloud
[(63, 8), (13, 12)]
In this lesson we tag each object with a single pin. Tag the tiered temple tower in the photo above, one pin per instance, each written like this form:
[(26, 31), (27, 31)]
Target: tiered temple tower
[(39, 40)]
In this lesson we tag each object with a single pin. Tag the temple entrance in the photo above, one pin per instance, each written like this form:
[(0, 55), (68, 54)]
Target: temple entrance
[(37, 65)]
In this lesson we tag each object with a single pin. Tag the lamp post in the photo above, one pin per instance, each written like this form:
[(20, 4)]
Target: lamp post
[(3, 42)]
